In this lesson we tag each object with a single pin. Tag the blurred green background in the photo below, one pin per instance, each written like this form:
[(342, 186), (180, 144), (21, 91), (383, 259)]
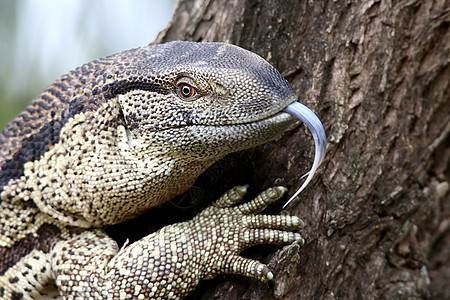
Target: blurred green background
[(42, 40)]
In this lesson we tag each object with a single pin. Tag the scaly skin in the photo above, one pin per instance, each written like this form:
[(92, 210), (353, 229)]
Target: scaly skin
[(118, 136)]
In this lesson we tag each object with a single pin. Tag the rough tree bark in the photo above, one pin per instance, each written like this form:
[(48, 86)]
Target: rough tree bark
[(377, 74)]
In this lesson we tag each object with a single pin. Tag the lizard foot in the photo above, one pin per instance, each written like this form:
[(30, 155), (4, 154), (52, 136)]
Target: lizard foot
[(169, 263), (226, 229)]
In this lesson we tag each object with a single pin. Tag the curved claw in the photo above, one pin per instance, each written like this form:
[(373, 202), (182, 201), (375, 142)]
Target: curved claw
[(315, 126)]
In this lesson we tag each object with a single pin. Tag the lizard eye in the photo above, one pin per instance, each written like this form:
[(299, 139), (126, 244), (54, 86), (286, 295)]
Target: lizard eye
[(187, 91)]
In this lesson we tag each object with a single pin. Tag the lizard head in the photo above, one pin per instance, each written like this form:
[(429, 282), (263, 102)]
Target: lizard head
[(204, 100)]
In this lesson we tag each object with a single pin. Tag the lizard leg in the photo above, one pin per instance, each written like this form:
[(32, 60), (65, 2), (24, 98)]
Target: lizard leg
[(170, 262)]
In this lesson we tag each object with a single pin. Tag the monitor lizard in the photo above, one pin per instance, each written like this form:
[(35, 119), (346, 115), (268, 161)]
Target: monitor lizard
[(123, 134)]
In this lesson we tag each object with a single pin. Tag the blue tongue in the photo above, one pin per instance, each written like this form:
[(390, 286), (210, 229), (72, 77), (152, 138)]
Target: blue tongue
[(315, 126)]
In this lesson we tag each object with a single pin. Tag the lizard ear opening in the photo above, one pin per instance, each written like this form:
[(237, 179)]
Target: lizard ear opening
[(123, 122), (121, 117)]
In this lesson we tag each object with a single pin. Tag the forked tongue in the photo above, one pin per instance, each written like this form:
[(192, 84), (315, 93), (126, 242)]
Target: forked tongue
[(315, 126)]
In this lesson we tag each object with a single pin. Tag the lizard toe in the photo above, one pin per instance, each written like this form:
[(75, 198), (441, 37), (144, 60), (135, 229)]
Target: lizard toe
[(247, 267), (231, 197), (262, 200), (282, 222)]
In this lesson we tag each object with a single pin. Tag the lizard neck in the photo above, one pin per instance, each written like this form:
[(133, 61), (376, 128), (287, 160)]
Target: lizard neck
[(154, 174)]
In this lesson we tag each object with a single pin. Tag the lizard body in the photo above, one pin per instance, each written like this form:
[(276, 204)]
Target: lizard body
[(118, 136)]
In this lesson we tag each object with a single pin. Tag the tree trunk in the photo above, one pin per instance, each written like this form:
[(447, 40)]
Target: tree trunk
[(377, 75)]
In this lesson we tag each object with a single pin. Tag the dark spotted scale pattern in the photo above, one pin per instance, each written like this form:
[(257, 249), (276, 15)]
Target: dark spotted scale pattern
[(118, 136)]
